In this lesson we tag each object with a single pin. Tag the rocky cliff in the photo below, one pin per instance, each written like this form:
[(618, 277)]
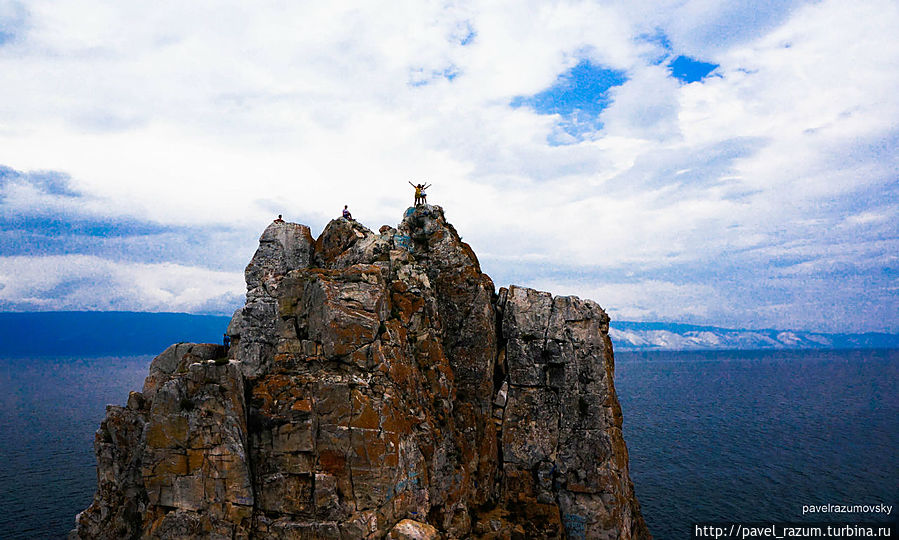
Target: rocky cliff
[(376, 386)]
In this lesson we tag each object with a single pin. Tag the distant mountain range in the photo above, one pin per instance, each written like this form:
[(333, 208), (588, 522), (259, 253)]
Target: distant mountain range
[(640, 336), (101, 333)]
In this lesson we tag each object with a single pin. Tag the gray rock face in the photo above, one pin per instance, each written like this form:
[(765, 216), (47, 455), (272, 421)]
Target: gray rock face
[(564, 456), (173, 462), (194, 458), (283, 247), (376, 387), (465, 301)]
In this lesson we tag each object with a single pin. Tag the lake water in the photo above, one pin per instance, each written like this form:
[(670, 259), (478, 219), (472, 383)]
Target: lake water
[(49, 411), (713, 436), (754, 436)]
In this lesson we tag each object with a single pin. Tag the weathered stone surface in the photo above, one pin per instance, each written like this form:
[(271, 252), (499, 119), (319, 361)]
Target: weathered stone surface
[(376, 387), (464, 297), (195, 458), (346, 242), (408, 529), (118, 506), (173, 463), (561, 427), (176, 359), (283, 247)]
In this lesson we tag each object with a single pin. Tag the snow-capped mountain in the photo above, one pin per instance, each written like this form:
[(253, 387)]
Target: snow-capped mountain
[(638, 336)]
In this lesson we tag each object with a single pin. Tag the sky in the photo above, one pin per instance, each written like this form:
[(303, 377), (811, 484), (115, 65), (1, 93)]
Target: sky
[(731, 163)]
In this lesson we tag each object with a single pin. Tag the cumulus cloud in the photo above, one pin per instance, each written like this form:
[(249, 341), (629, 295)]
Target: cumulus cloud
[(780, 167), (79, 282), (645, 299), (42, 214)]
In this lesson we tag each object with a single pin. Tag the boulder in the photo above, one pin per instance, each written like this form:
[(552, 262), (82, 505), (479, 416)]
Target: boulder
[(408, 529)]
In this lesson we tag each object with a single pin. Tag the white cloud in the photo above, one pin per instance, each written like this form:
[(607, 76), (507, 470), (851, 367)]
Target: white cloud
[(73, 282), (644, 299), (211, 114)]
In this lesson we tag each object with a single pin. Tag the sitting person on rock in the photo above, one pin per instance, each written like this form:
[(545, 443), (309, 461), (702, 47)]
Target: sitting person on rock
[(346, 213)]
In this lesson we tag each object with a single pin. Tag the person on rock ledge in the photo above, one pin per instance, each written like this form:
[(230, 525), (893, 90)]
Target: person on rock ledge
[(279, 220), (420, 196), (346, 213)]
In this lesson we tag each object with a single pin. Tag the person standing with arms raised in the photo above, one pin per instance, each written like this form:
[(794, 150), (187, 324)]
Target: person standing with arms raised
[(420, 196)]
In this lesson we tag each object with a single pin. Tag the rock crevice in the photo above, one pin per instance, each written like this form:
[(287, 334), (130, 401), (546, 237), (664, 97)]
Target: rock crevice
[(376, 387)]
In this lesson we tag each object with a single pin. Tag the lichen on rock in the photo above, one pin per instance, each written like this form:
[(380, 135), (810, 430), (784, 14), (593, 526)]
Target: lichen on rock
[(376, 387)]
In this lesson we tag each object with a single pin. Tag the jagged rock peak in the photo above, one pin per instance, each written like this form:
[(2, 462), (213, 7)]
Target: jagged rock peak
[(283, 247), (376, 386)]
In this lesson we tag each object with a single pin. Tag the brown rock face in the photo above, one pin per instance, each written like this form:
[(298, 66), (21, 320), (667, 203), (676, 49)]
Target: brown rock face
[(376, 387)]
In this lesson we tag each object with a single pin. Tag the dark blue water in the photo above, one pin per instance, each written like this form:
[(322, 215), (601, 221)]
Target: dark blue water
[(712, 436), (49, 411), (754, 436)]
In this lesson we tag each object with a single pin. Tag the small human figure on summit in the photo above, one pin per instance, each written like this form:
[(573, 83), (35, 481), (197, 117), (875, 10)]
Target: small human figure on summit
[(346, 213), (420, 196), (279, 220)]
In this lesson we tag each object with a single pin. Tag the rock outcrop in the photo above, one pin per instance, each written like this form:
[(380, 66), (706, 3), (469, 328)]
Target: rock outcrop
[(376, 386)]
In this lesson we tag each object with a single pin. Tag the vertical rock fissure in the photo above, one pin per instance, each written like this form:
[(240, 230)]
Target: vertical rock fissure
[(500, 376), (348, 458)]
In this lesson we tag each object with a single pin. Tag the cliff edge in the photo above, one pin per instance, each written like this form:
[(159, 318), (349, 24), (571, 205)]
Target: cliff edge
[(376, 386)]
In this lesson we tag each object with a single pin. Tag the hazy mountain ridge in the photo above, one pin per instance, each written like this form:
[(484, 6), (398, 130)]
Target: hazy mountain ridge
[(637, 336)]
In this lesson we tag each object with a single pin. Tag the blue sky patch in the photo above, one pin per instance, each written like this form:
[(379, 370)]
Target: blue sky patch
[(689, 70), (578, 95), (12, 21), (469, 35), (584, 88)]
